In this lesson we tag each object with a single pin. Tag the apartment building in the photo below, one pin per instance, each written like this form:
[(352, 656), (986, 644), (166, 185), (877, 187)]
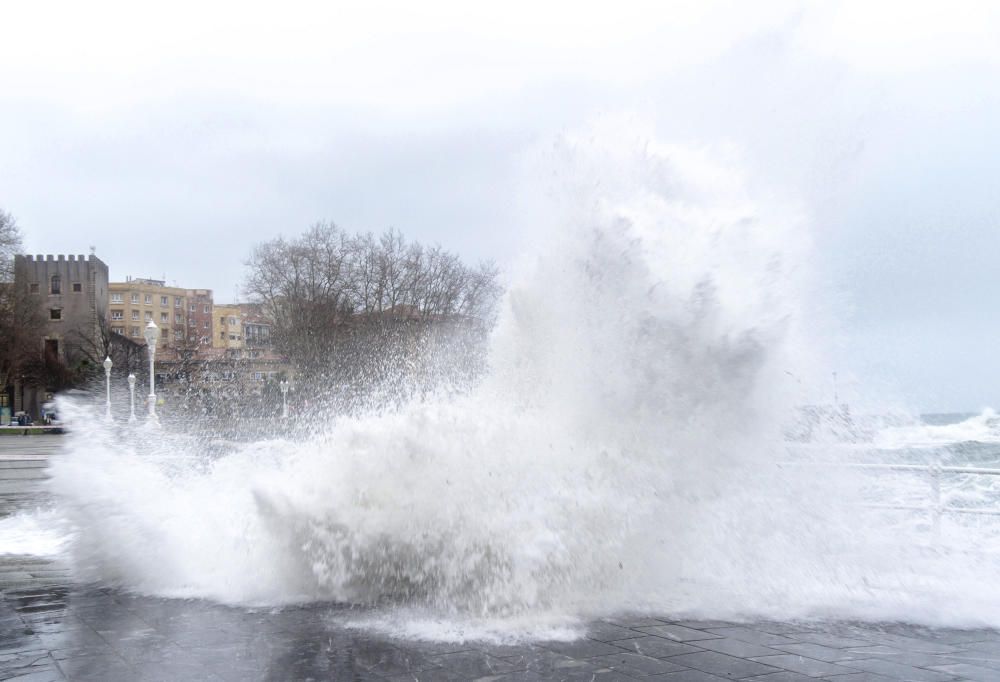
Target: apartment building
[(200, 318), (184, 316), (228, 321)]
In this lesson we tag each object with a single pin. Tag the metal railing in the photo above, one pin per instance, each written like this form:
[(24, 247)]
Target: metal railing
[(934, 470)]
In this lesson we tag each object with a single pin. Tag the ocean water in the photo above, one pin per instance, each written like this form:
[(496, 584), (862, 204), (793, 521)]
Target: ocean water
[(638, 443)]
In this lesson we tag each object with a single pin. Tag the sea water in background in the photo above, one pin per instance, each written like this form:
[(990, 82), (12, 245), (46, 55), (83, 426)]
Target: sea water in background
[(627, 449)]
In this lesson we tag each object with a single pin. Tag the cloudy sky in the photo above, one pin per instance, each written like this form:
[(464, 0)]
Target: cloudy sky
[(173, 139)]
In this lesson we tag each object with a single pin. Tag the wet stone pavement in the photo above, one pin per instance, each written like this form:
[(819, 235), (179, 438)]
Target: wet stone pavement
[(52, 629)]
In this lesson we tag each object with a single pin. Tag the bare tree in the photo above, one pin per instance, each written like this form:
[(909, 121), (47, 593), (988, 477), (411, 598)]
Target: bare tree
[(10, 245), (85, 352), (352, 306), (20, 318)]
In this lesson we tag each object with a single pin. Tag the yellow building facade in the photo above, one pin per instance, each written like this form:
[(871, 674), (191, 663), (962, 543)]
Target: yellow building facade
[(178, 312), (228, 323)]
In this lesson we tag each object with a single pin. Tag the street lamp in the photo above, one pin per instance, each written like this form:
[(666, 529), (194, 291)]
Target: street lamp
[(107, 383), (131, 396), (283, 385), (152, 334)]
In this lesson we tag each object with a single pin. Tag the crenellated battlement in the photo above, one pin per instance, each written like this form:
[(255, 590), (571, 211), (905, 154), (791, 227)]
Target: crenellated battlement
[(57, 257)]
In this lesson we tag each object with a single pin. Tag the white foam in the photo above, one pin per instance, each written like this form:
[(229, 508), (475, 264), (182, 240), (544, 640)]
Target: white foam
[(981, 428), (35, 533), (622, 453)]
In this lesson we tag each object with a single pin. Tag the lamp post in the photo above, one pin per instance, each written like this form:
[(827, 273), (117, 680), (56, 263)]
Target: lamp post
[(152, 334), (107, 384), (283, 385), (131, 396)]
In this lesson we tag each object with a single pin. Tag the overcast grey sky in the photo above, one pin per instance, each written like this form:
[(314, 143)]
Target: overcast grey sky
[(172, 140)]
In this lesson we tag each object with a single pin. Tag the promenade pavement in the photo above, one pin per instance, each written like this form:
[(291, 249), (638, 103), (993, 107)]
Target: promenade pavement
[(53, 629)]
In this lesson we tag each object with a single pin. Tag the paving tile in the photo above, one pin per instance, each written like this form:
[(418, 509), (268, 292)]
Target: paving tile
[(953, 636), (913, 658), (751, 635), (723, 665), (736, 647), (780, 628), (431, 648), (609, 632), (543, 661), (861, 677), (907, 643), (967, 671), (47, 674), (658, 647), (803, 665), (974, 659), (873, 651), (678, 633), (635, 621), (703, 624), (820, 652), (397, 660), (990, 647), (173, 671), (783, 676), (690, 676), (899, 671), (585, 648), (432, 675), (95, 668), (829, 640), (23, 642), (474, 664), (637, 665)]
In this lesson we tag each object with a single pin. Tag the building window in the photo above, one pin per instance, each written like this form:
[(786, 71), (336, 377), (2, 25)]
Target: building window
[(164, 333), (178, 301), (134, 298), (55, 313), (222, 321), (179, 335), (222, 335), (116, 298), (135, 315), (149, 316), (259, 376), (192, 309), (34, 287), (133, 332), (165, 317), (148, 299), (117, 315), (118, 330), (208, 309), (232, 321), (55, 285), (77, 287), (178, 318), (206, 324)]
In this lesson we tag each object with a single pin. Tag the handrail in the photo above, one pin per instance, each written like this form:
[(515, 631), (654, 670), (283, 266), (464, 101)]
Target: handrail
[(935, 470), (980, 471)]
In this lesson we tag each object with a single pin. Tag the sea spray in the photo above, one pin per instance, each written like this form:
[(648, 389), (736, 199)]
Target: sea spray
[(625, 449)]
